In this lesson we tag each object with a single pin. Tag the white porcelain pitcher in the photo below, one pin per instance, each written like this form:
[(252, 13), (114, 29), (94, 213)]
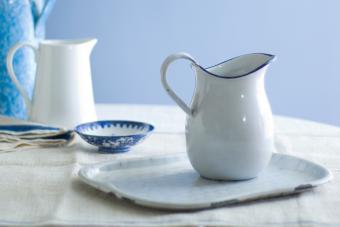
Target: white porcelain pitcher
[(62, 93), (229, 129)]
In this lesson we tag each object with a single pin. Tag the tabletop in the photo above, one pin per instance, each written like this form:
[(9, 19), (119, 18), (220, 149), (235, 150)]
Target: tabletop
[(41, 186)]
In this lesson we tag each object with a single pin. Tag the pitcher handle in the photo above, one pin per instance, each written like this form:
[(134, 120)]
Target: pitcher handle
[(9, 62), (171, 58)]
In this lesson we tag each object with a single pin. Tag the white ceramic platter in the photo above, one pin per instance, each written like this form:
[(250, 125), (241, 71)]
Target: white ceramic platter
[(169, 182)]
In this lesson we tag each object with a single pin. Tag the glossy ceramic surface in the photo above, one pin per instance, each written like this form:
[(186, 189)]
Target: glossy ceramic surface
[(114, 136), (229, 129), (169, 182), (63, 94), (20, 20)]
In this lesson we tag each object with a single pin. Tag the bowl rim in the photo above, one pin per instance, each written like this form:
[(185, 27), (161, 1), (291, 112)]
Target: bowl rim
[(151, 128)]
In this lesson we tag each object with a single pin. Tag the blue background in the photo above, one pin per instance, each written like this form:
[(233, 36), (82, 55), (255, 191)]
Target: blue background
[(135, 37)]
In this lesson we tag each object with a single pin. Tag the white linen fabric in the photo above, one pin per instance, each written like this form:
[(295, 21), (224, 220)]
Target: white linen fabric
[(41, 187), (11, 140)]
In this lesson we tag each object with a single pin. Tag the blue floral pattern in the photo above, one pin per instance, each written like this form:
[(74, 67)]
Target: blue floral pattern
[(114, 143)]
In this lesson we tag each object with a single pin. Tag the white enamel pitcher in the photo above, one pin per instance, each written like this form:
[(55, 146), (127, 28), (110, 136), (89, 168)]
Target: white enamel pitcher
[(62, 93), (229, 128)]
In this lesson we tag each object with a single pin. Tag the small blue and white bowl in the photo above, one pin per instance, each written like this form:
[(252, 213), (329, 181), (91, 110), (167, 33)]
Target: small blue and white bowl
[(114, 136)]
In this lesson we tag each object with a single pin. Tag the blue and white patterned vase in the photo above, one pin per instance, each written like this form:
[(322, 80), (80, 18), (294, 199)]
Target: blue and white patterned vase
[(20, 20)]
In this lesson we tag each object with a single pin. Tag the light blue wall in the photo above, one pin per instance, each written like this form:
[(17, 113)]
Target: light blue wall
[(135, 36)]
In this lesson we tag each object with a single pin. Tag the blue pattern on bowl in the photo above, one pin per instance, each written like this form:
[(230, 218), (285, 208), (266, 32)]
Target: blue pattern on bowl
[(117, 141)]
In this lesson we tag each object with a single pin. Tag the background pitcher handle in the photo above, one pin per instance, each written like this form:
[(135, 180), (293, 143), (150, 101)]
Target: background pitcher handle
[(9, 62), (171, 58)]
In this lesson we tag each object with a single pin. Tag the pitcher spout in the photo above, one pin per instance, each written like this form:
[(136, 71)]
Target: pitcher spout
[(90, 43), (84, 45), (239, 66)]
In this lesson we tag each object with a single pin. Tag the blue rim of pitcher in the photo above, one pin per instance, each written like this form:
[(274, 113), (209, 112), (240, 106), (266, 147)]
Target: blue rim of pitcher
[(271, 59)]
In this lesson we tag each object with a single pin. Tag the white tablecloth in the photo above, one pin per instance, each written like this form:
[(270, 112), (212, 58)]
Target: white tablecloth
[(41, 187)]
